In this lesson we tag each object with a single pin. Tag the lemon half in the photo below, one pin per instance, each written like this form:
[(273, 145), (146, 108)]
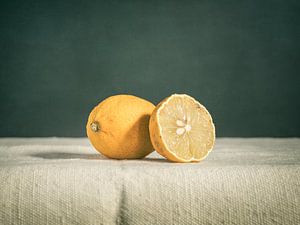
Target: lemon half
[(181, 129)]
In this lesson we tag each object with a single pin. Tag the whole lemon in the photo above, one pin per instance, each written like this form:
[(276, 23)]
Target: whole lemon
[(118, 127)]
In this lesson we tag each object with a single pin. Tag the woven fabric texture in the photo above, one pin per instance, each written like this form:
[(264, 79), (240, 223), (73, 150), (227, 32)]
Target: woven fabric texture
[(65, 181)]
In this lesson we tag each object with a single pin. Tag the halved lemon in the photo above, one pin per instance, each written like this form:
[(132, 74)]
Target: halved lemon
[(181, 129)]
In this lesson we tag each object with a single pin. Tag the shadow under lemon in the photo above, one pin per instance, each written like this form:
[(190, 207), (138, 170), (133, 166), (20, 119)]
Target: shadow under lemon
[(67, 155)]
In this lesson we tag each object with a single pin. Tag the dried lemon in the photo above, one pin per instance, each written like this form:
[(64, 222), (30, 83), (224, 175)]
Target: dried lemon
[(119, 127), (181, 129)]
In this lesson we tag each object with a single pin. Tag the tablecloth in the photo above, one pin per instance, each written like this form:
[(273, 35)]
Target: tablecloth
[(65, 181)]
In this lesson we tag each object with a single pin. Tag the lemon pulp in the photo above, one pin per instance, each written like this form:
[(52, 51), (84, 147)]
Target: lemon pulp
[(186, 128)]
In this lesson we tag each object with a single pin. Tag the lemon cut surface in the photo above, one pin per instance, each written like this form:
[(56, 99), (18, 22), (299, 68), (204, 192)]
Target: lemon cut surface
[(181, 129)]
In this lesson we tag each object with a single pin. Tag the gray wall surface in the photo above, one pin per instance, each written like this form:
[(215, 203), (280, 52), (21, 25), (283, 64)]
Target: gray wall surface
[(60, 58)]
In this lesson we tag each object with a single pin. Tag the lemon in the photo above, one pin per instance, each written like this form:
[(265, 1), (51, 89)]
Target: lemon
[(118, 127), (181, 129)]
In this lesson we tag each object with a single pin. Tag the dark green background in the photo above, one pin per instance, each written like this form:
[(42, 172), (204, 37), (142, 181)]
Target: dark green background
[(239, 58)]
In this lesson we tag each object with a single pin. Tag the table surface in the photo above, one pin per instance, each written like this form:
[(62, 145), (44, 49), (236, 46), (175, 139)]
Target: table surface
[(65, 181), (227, 151)]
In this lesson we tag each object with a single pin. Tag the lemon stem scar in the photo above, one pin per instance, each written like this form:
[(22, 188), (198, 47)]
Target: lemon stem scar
[(95, 126)]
